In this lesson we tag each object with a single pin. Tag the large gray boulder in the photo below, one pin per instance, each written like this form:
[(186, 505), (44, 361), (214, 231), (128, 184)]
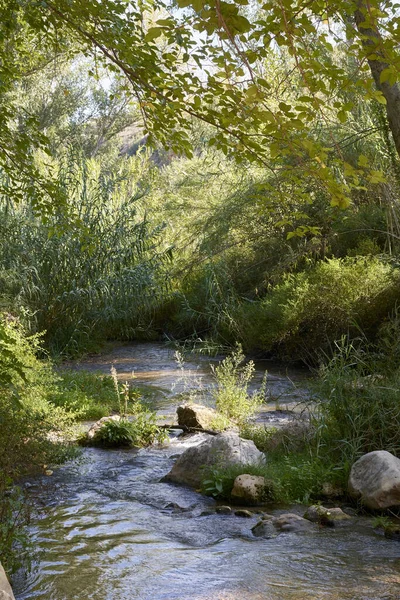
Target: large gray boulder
[(196, 415), (375, 480), (224, 449)]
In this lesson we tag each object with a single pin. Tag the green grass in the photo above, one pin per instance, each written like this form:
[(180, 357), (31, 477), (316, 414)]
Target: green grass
[(90, 395), (294, 478)]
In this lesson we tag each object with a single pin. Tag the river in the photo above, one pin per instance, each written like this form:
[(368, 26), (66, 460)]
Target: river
[(109, 530)]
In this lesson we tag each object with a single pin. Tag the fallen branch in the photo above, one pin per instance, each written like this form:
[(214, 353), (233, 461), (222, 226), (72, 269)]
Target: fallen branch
[(190, 429)]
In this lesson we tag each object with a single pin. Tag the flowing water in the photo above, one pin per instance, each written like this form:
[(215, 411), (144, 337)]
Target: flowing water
[(109, 530)]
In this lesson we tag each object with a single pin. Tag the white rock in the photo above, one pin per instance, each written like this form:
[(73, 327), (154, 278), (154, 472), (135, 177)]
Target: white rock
[(375, 480), (248, 489)]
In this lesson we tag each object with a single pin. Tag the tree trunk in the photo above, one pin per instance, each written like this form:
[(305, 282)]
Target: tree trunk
[(375, 54)]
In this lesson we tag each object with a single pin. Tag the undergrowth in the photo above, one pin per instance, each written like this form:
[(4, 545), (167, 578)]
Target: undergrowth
[(91, 395), (139, 432), (32, 430)]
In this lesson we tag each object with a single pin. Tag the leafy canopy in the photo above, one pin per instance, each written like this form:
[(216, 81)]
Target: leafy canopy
[(209, 60)]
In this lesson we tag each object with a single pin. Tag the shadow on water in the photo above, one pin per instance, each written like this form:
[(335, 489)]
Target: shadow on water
[(111, 531)]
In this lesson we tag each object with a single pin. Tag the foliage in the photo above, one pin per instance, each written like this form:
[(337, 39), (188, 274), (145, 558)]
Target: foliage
[(261, 435), (231, 395), (93, 271), (89, 395), (142, 431), (381, 522), (15, 544), (31, 430), (310, 309), (359, 408)]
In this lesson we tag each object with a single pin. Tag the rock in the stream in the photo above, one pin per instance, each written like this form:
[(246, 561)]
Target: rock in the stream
[(99, 424), (223, 510), (248, 489), (325, 516), (291, 522), (265, 529), (269, 527), (375, 480), (244, 513), (196, 415), (224, 449)]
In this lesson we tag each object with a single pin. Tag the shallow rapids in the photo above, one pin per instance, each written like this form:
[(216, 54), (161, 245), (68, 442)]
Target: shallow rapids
[(109, 530)]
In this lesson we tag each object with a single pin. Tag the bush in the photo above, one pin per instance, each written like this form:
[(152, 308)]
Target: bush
[(232, 398), (308, 311), (30, 426), (94, 269), (142, 431)]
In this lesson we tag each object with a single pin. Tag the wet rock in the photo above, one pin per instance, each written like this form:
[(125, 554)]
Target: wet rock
[(99, 424), (265, 529), (325, 516), (175, 507), (207, 512), (393, 532), (223, 510), (248, 489), (224, 449), (244, 513), (375, 480), (291, 522), (196, 415)]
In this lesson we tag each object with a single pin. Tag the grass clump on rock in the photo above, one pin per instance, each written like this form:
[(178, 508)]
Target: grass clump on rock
[(122, 433)]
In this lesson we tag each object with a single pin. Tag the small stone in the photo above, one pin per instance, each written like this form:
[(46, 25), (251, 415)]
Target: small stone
[(243, 513), (174, 506), (207, 512), (223, 510), (196, 416), (48, 472)]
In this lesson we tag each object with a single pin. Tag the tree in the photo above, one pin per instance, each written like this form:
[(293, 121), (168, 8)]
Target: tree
[(209, 61)]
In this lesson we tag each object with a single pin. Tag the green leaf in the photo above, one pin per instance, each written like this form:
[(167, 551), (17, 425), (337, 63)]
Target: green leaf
[(153, 33)]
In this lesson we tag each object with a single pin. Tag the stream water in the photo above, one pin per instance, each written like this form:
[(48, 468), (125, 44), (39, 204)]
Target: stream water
[(109, 530)]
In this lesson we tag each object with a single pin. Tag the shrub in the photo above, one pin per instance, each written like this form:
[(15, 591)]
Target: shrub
[(259, 434), (27, 418), (142, 431), (293, 478), (231, 394), (218, 481), (309, 310), (94, 269)]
